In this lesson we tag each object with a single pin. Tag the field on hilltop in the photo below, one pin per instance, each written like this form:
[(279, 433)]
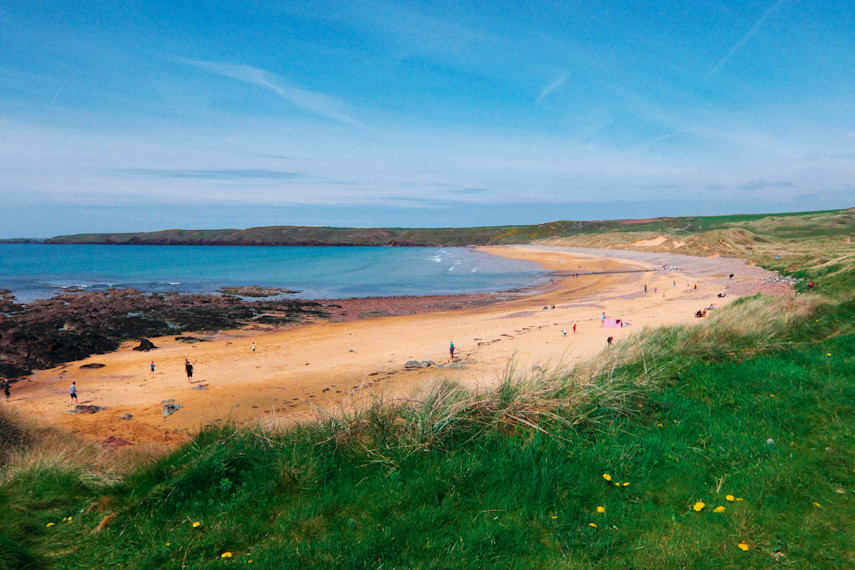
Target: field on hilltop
[(726, 443)]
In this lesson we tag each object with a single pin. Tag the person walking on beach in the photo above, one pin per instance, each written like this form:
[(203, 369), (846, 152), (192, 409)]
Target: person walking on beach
[(253, 347), (610, 340), (6, 389), (451, 350), (574, 328), (603, 319), (72, 392), (152, 366), (189, 369), (645, 287)]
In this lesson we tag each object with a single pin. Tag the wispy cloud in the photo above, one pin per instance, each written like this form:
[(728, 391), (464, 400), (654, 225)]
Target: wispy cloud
[(761, 184), (746, 38), (556, 84), (229, 174), (305, 99)]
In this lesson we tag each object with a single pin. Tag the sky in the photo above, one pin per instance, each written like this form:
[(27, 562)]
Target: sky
[(138, 116)]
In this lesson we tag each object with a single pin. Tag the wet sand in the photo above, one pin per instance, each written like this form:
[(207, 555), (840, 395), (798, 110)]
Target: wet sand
[(295, 373)]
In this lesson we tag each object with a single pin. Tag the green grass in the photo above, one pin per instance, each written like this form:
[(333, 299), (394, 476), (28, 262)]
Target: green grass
[(508, 479)]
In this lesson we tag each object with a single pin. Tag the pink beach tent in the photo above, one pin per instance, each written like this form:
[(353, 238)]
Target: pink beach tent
[(613, 323)]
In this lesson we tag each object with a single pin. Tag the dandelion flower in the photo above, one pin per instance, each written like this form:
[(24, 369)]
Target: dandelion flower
[(168, 543), (69, 519), (626, 484), (593, 525), (226, 555), (743, 546), (739, 499), (729, 498), (64, 519), (617, 484), (660, 425), (817, 505), (718, 510), (828, 354), (607, 477), (601, 509), (49, 524), (555, 516), (771, 395), (699, 506), (197, 524)]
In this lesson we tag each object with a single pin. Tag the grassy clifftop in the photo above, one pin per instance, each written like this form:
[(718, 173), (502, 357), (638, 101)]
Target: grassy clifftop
[(776, 225)]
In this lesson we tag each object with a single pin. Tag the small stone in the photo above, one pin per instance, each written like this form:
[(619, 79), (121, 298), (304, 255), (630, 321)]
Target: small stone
[(126, 417)]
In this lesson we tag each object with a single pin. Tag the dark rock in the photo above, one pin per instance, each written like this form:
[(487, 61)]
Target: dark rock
[(169, 409), (114, 442), (87, 409), (126, 417), (200, 387), (93, 366), (145, 345)]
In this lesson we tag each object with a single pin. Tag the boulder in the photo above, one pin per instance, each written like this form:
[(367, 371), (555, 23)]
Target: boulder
[(145, 345), (87, 409), (169, 409), (93, 366)]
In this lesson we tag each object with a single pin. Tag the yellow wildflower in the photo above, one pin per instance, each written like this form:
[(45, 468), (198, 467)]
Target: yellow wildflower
[(555, 516), (64, 519), (601, 509), (718, 510), (617, 484), (49, 524), (626, 484), (197, 524), (699, 506), (660, 425), (738, 499), (607, 477), (593, 525), (743, 546), (168, 543), (226, 555), (729, 498), (828, 354), (817, 505), (771, 395), (69, 519)]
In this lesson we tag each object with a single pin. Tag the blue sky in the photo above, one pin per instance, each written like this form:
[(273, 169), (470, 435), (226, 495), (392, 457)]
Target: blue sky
[(134, 116)]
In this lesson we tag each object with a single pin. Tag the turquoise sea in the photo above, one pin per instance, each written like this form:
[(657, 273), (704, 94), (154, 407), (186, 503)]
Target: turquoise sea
[(34, 271)]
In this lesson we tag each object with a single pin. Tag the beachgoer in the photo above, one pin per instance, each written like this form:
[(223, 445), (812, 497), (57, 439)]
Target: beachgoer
[(253, 347), (72, 391), (563, 333), (152, 366), (603, 319), (6, 389), (189, 369), (610, 340), (696, 286), (656, 289), (645, 287), (730, 276), (574, 328), (451, 350)]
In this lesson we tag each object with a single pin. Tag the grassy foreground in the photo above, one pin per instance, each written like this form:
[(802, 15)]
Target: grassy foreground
[(730, 443)]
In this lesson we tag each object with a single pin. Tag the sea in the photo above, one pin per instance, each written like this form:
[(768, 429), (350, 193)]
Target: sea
[(39, 271)]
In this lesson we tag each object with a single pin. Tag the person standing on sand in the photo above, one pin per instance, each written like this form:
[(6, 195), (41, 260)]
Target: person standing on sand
[(253, 347), (574, 328), (603, 319), (645, 287), (451, 350), (152, 366), (72, 392), (189, 369), (6, 389)]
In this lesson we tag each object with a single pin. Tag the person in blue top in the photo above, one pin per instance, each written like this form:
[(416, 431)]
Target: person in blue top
[(451, 350), (72, 391)]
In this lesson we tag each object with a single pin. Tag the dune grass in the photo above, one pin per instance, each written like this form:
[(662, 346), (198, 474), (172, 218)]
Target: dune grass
[(514, 477)]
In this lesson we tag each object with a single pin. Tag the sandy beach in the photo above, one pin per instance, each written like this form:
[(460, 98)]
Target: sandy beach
[(295, 373)]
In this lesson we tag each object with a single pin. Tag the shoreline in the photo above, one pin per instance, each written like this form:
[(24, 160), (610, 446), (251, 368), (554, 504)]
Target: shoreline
[(296, 371)]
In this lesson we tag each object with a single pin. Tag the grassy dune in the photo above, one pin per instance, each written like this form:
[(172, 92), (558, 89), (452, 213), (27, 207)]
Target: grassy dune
[(604, 464)]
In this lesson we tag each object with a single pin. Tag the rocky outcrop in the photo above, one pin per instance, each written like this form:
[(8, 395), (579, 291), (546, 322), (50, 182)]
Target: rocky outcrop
[(73, 326), (145, 345)]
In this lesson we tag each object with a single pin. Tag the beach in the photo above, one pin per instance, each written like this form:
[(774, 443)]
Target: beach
[(292, 374)]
